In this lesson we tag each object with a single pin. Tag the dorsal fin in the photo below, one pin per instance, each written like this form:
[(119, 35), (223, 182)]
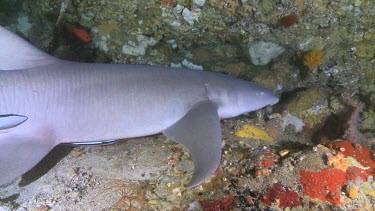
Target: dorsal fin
[(16, 53)]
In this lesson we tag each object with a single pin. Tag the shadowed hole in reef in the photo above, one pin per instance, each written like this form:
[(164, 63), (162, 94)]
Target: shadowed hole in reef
[(288, 95), (334, 127), (292, 145), (10, 199), (285, 97), (47, 163)]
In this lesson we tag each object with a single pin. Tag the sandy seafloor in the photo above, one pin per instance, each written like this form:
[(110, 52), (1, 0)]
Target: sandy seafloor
[(314, 150)]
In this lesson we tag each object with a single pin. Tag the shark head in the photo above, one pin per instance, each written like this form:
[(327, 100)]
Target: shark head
[(235, 96)]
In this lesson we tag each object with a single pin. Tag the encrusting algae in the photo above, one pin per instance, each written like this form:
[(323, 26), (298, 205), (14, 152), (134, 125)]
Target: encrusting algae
[(252, 132)]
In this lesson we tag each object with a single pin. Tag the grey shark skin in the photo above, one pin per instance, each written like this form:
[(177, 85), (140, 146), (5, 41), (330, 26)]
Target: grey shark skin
[(45, 101)]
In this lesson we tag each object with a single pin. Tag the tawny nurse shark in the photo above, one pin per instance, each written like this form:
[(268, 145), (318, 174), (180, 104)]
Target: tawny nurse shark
[(45, 101)]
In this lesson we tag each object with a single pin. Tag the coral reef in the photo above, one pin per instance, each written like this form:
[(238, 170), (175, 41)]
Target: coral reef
[(326, 185)]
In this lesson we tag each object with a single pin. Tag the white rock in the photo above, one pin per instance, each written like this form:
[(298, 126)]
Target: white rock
[(262, 53), (179, 65), (139, 48), (102, 44), (190, 65), (199, 3), (194, 206), (288, 119), (186, 64), (172, 43), (187, 16), (191, 16), (178, 9), (175, 24), (95, 29)]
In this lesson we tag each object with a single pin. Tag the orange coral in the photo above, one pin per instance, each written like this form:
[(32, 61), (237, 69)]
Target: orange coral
[(224, 204), (364, 155), (281, 196), (353, 173), (265, 162), (338, 161), (325, 185), (289, 20), (313, 58), (168, 3)]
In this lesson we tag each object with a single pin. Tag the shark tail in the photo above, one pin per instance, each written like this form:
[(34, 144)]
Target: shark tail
[(20, 151)]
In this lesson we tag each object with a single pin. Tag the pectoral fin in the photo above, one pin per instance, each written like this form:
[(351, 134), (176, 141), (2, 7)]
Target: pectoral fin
[(11, 120), (21, 150), (200, 131)]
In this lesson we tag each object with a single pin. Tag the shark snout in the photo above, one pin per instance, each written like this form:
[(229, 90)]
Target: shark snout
[(266, 97), (275, 100)]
